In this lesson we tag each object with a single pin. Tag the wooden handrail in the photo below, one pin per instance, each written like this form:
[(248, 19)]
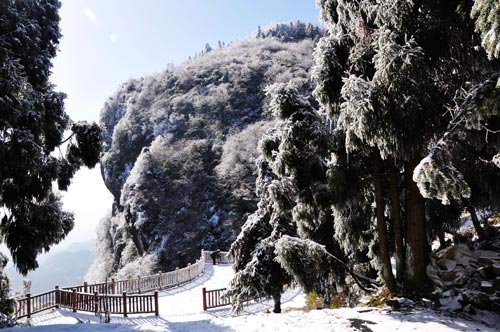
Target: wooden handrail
[(214, 298), (91, 297)]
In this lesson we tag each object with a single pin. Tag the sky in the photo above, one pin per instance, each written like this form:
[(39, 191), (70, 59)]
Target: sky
[(107, 42)]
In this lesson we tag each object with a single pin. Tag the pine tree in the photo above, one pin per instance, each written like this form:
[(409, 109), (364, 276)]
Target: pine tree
[(32, 125), (302, 160), (257, 274), (406, 62), (294, 223), (259, 32), (208, 48)]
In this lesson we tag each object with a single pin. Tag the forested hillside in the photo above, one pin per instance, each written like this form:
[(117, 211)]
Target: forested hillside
[(180, 149)]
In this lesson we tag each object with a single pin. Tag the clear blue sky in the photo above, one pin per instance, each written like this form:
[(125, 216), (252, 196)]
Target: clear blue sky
[(106, 42)]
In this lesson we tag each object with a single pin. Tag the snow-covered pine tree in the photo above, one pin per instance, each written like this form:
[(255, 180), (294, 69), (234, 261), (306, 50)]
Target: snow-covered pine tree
[(487, 15), (300, 187), (406, 62), (257, 274), (32, 125), (295, 200), (302, 160)]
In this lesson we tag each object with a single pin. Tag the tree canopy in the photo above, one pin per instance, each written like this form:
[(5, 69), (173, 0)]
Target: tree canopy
[(32, 128)]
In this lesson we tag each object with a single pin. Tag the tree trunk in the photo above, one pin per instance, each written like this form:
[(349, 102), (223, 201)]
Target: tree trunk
[(277, 303), (396, 221), (475, 222), (385, 259), (416, 237), (442, 241)]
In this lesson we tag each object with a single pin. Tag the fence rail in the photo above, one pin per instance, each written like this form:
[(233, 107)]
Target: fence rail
[(149, 283), (37, 303), (114, 304), (214, 298), (112, 296)]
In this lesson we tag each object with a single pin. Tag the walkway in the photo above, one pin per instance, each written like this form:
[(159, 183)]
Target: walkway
[(177, 305)]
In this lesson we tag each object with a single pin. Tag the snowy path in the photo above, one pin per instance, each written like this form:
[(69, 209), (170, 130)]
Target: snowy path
[(181, 310)]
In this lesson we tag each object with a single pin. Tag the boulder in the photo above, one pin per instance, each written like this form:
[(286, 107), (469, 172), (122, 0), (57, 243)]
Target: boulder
[(496, 284), (487, 287), (478, 299), (496, 269)]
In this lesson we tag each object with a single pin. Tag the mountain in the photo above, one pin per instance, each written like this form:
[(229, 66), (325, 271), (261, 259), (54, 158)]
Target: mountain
[(63, 268), (180, 149)]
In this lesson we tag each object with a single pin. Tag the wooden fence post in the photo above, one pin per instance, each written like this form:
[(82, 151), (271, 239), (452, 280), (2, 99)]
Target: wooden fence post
[(113, 286), (204, 291), (139, 284), (85, 287), (28, 304), (124, 304), (189, 271), (177, 276), (58, 297), (96, 302), (73, 302), (157, 309), (160, 283)]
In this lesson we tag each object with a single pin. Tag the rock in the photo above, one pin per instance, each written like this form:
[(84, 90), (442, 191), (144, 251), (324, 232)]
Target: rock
[(478, 299), (482, 273), (393, 303), (452, 303), (405, 302), (487, 287), (447, 264), (496, 284), (496, 269), (488, 260), (470, 309)]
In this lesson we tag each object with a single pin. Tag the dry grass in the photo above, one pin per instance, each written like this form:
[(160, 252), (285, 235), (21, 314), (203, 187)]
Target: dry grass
[(380, 299)]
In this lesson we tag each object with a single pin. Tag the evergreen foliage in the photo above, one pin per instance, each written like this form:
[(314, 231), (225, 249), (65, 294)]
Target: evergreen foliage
[(257, 274), (487, 15), (405, 63), (290, 32), (32, 125), (294, 202)]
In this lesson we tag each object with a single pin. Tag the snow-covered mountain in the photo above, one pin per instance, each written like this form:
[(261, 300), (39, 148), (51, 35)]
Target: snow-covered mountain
[(180, 149)]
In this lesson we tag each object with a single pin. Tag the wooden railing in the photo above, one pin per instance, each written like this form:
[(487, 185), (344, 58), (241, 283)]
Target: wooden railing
[(112, 296), (225, 258), (213, 298), (114, 304), (146, 283), (37, 303)]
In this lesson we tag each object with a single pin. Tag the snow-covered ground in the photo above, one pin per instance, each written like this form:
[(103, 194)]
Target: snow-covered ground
[(181, 310)]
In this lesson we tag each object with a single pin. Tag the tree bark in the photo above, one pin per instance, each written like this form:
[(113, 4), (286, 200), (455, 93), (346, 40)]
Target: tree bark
[(277, 303), (416, 254), (385, 259), (396, 221), (475, 222), (438, 229)]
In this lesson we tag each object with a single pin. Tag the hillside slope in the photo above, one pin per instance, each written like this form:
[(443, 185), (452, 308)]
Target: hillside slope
[(180, 149)]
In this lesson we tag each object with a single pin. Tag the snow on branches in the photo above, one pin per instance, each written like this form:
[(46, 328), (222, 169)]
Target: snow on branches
[(436, 177)]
